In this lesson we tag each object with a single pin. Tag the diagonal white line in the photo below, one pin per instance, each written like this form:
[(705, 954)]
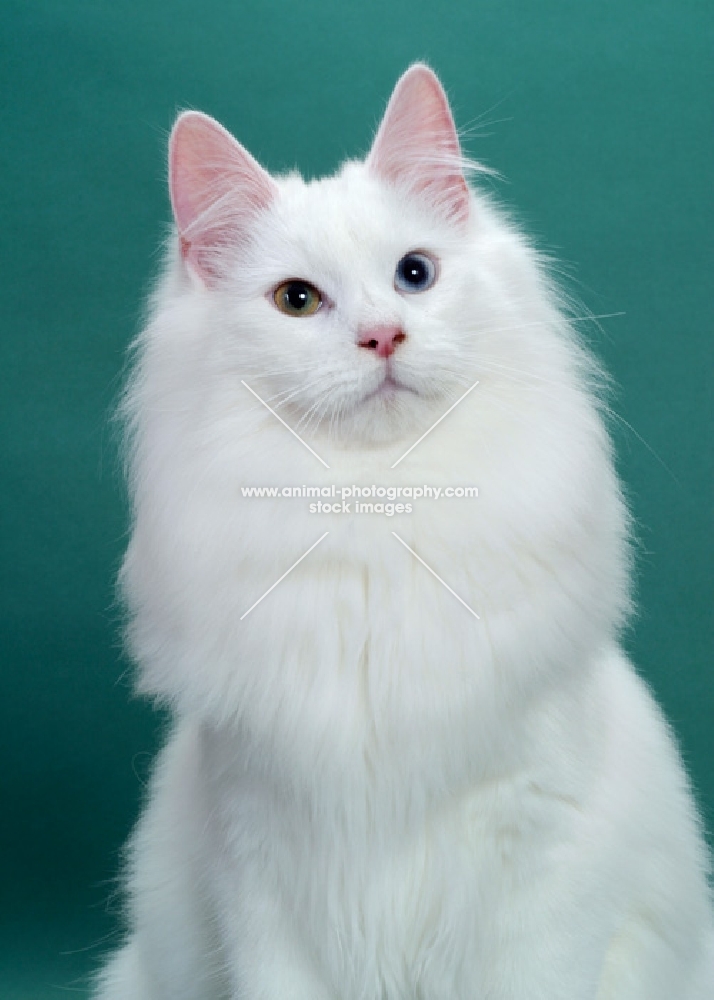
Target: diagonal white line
[(436, 575), (435, 424), (286, 425), (314, 545)]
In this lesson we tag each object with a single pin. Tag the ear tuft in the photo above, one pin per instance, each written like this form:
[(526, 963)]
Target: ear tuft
[(417, 145), (216, 188)]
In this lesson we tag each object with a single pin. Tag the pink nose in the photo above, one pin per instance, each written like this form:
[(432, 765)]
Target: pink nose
[(382, 339)]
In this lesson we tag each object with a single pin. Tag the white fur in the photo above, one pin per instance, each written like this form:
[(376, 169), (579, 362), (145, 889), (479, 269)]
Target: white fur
[(368, 793)]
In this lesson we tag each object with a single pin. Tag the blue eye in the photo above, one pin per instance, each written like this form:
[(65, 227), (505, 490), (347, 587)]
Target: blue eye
[(415, 273)]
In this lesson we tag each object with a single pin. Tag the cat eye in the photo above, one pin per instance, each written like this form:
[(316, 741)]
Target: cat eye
[(415, 273), (297, 298)]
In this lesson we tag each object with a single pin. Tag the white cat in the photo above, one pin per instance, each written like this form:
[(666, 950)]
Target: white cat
[(370, 793)]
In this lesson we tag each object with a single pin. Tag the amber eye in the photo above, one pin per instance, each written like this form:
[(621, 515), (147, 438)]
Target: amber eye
[(297, 298)]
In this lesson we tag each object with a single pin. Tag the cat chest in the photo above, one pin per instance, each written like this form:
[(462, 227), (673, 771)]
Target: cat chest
[(374, 902)]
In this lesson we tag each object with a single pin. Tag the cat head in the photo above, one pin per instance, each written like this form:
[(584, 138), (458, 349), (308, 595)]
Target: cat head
[(346, 299)]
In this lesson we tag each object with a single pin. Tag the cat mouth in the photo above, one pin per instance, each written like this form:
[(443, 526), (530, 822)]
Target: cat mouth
[(389, 388)]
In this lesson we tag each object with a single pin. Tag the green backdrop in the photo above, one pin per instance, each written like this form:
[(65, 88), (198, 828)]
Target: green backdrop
[(597, 114)]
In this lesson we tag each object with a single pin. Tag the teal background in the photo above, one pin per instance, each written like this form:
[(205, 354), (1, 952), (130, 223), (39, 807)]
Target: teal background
[(598, 116)]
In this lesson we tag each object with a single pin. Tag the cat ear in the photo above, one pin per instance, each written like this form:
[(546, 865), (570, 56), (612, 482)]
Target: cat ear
[(417, 145), (216, 189)]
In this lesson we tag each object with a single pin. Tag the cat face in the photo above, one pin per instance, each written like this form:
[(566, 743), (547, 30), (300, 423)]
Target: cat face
[(343, 300), (353, 308)]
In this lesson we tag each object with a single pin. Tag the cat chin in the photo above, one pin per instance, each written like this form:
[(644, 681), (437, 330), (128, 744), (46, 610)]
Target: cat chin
[(385, 415)]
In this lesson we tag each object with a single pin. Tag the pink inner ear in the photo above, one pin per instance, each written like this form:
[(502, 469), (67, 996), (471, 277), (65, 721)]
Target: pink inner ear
[(216, 188), (417, 144)]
